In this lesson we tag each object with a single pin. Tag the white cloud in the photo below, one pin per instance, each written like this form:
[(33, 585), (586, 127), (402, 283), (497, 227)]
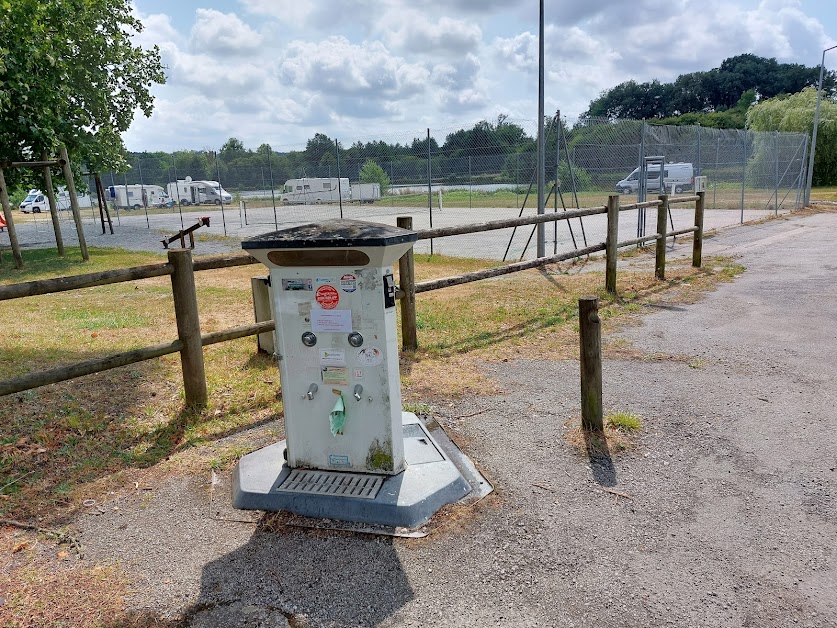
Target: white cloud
[(280, 70), (289, 12), (223, 34), (413, 32), (341, 68)]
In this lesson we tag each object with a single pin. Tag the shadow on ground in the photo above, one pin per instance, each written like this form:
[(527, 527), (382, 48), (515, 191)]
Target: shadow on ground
[(601, 462), (304, 576)]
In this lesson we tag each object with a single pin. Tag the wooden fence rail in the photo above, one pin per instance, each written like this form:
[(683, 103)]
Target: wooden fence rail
[(409, 335), (181, 268)]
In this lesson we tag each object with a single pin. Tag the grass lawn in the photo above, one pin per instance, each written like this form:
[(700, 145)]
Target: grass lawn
[(63, 442)]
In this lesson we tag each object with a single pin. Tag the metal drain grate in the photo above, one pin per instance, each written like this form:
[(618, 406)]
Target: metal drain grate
[(340, 484)]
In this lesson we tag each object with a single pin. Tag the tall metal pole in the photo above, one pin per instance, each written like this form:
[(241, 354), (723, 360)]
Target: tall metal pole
[(339, 187), (429, 188), (272, 187), (814, 136), (776, 143), (743, 170), (220, 195), (541, 246)]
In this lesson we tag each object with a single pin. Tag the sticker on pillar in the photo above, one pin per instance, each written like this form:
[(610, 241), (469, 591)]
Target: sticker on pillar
[(335, 375), (332, 357), (357, 373), (336, 460), (370, 356), (348, 282), (334, 321), (328, 297), (297, 284)]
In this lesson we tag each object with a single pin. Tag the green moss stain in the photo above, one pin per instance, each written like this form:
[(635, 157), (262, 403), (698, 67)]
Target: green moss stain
[(379, 456)]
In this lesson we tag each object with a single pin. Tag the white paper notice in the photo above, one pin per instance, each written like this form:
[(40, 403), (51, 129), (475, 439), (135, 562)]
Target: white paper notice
[(331, 320)]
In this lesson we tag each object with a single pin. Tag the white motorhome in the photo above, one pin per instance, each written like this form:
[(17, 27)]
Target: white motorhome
[(136, 196), (191, 192), (677, 177), (316, 190), (366, 192), (36, 202)]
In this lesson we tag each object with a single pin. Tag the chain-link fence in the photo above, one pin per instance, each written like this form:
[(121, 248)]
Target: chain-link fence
[(454, 176)]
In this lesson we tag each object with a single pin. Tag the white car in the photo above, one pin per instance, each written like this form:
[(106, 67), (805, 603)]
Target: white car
[(36, 202)]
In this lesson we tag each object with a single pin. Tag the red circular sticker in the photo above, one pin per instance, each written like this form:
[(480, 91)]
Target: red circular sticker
[(327, 297)]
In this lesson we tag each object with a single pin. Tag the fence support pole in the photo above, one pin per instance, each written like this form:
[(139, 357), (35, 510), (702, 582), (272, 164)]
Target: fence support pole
[(591, 364), (611, 242), (697, 246), (188, 327), (53, 206), (10, 223), (407, 279), (71, 190), (662, 214)]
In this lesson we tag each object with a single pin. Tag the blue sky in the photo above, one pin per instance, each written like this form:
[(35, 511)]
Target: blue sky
[(278, 71)]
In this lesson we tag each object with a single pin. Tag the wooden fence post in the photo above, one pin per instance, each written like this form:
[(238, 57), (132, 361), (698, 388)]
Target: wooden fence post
[(188, 327), (697, 246), (53, 206), (611, 243), (591, 364), (71, 190), (662, 214), (407, 279), (10, 223)]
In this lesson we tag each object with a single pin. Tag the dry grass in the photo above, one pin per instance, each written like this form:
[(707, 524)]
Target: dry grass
[(43, 585), (64, 442), (599, 444)]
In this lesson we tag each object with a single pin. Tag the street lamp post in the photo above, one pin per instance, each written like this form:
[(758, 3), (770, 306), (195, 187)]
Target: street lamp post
[(816, 124)]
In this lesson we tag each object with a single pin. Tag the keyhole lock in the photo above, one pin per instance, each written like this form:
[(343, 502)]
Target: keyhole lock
[(355, 339), (309, 339)]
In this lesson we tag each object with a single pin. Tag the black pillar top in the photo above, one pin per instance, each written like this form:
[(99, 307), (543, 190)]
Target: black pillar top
[(331, 234)]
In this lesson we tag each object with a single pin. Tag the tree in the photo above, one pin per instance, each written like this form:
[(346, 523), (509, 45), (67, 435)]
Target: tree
[(233, 148), (719, 89), (316, 147), (371, 172), (70, 73), (796, 113)]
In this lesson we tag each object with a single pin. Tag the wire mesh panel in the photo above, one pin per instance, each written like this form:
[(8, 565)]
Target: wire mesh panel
[(455, 175)]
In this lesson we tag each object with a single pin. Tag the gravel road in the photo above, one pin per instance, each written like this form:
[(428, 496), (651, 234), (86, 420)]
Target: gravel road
[(731, 518), (134, 231)]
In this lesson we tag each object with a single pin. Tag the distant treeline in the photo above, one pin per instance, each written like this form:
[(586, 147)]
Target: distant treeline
[(488, 152), (716, 98)]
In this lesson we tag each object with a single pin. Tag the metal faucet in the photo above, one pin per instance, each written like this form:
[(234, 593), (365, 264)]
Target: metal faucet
[(357, 392), (312, 389)]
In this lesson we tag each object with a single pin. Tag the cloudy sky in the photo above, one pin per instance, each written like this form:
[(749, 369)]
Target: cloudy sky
[(278, 71)]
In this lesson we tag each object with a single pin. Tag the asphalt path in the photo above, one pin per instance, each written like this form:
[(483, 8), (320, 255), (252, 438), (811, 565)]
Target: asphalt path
[(134, 230), (728, 506)]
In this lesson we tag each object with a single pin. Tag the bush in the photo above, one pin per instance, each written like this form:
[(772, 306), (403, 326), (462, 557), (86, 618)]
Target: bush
[(371, 172)]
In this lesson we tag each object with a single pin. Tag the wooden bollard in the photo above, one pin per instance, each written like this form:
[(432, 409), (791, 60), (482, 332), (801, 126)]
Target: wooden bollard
[(660, 260), (591, 364), (188, 328), (697, 246), (407, 281), (611, 251)]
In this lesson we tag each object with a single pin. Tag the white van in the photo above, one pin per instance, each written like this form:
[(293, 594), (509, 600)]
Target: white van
[(680, 177), (36, 202)]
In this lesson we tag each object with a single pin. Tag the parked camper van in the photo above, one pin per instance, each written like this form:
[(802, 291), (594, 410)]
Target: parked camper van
[(36, 201), (679, 176), (366, 192), (316, 190), (189, 192), (137, 196)]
